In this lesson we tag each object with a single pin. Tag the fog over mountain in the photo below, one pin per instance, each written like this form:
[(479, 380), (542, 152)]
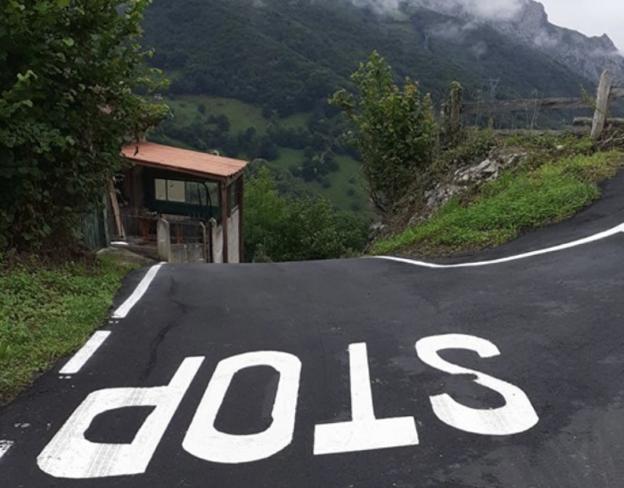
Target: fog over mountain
[(484, 9), (525, 21), (287, 56)]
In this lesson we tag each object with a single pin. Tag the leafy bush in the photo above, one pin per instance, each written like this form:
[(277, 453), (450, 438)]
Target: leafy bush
[(69, 83), (279, 228), (395, 130)]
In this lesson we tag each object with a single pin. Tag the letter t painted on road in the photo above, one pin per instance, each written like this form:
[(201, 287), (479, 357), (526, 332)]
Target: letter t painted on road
[(365, 432)]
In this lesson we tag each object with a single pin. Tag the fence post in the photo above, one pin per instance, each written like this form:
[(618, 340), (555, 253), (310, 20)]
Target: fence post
[(602, 104), (112, 192), (452, 113), (164, 240), (205, 242)]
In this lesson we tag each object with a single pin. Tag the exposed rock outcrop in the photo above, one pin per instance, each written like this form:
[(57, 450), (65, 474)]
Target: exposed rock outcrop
[(467, 178)]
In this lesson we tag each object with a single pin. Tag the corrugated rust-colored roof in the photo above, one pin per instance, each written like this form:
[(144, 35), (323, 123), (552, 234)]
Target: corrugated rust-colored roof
[(183, 160)]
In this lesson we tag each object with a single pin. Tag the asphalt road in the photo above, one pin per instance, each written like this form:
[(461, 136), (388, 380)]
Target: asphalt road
[(362, 373)]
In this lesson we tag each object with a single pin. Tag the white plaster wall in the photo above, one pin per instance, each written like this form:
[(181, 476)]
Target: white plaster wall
[(217, 244), (233, 241), (233, 223)]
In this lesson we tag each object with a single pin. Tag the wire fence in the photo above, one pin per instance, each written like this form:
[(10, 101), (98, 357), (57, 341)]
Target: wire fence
[(537, 113)]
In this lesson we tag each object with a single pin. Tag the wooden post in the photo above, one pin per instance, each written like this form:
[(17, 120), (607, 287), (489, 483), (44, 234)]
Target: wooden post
[(452, 114), (112, 193), (224, 219), (455, 109), (602, 104), (241, 223)]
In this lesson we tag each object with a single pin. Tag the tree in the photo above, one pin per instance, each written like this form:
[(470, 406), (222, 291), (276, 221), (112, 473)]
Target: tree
[(318, 166), (223, 123), (73, 88), (395, 130), (279, 228)]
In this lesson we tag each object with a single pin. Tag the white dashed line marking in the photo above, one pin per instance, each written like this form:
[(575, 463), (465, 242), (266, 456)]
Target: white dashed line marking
[(581, 242), (75, 364), (138, 293), (4, 447)]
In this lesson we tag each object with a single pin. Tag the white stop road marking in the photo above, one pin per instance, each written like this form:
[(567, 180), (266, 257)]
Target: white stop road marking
[(71, 455), (4, 447)]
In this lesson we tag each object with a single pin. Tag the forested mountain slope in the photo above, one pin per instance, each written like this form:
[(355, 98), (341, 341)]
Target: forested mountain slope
[(289, 55)]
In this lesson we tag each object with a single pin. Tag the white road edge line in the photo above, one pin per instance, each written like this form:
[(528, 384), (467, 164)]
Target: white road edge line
[(75, 364), (581, 242), (137, 294), (4, 447)]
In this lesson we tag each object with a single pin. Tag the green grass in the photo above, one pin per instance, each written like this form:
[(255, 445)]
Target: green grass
[(241, 115), (296, 120), (47, 312), (503, 209), (347, 189), (287, 157)]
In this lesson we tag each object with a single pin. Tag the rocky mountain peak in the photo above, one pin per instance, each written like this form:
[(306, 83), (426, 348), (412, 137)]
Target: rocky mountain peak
[(588, 56), (532, 16)]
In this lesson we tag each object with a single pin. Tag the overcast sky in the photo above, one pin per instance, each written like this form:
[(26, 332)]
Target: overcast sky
[(591, 17)]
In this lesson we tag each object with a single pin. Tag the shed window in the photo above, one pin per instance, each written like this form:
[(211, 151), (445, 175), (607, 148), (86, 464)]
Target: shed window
[(161, 190), (176, 191), (190, 192), (196, 193)]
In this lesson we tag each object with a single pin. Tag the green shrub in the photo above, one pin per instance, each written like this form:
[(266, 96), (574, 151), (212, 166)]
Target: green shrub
[(279, 228), (395, 131), (69, 84)]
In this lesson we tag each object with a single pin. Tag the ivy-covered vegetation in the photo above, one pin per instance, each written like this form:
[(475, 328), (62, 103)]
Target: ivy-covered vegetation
[(73, 86)]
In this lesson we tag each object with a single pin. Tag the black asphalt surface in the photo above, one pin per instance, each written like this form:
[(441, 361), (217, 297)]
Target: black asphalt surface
[(557, 319)]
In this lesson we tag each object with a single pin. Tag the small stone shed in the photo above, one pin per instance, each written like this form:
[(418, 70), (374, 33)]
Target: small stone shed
[(198, 194)]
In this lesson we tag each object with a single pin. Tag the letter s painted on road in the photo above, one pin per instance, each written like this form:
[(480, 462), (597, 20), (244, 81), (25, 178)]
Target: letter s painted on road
[(518, 415)]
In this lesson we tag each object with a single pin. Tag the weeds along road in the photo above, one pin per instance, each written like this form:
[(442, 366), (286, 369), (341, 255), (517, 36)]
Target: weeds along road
[(362, 373)]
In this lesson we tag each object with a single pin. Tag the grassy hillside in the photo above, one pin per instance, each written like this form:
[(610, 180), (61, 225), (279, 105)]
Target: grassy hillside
[(345, 188), (500, 210), (241, 115)]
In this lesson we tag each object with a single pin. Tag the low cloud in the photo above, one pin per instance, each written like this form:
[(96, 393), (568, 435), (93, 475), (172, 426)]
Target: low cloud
[(493, 9), (479, 50), (483, 9)]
